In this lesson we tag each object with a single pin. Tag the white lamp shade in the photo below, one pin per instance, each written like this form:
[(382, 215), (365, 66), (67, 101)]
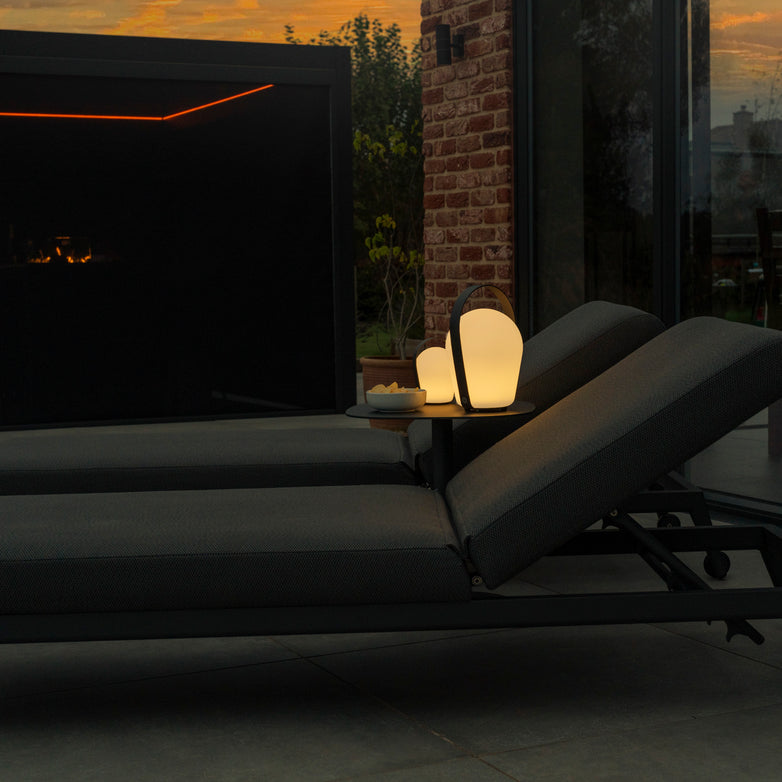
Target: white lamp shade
[(492, 348), (434, 368)]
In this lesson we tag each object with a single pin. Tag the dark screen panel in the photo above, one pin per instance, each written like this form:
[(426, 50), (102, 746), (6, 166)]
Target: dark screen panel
[(208, 248)]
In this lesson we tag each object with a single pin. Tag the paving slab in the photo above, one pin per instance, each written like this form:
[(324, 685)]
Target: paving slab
[(530, 687), (735, 746), (279, 721)]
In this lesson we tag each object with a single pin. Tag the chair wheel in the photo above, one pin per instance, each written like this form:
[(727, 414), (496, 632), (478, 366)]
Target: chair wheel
[(716, 564), (668, 520)]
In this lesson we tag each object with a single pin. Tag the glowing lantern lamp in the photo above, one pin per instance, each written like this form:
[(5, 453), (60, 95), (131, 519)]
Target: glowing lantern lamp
[(486, 347), (433, 368)]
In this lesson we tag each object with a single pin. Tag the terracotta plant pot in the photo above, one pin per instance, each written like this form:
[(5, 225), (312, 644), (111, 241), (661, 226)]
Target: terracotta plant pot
[(386, 370)]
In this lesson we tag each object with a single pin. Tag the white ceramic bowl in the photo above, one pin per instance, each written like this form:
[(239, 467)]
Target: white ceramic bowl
[(402, 401)]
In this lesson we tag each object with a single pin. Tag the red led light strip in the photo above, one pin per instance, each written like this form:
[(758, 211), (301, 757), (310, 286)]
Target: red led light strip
[(133, 117)]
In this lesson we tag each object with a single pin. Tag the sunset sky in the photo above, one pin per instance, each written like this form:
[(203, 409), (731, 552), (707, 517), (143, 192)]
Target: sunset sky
[(746, 52), (746, 35), (236, 20)]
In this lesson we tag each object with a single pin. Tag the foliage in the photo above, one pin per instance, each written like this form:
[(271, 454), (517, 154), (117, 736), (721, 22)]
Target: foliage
[(402, 277), (387, 157)]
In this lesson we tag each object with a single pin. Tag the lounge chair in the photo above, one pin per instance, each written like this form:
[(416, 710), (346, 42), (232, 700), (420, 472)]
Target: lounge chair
[(390, 557), (242, 453)]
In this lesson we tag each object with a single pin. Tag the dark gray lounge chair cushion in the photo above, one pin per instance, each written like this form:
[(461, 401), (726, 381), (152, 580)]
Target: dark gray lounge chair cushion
[(200, 454), (235, 548), (562, 357), (574, 463)]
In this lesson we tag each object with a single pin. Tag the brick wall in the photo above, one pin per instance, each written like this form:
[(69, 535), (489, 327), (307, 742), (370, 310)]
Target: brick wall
[(467, 135)]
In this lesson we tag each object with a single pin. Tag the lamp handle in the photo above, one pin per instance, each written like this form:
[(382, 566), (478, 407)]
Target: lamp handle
[(456, 339)]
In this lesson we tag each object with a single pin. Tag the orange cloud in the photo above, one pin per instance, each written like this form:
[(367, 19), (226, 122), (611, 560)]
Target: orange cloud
[(725, 20)]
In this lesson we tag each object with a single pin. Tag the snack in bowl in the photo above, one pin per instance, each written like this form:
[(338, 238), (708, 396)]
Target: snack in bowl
[(395, 398)]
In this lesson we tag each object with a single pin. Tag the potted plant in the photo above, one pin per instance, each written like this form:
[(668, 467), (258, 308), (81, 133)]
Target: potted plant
[(401, 275)]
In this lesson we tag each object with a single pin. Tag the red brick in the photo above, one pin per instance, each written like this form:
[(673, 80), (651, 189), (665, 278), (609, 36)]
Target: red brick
[(457, 163), (458, 271), (504, 195), (503, 80), (481, 122), (481, 160), (504, 233), (442, 75), (503, 119), (496, 23), (432, 130), (503, 41), (485, 84), (497, 101), (428, 184), (447, 218), (497, 214), (457, 199), (447, 255), (466, 69), (447, 182), (447, 290), (434, 166), (455, 90), (457, 235), (471, 216), (456, 127), (469, 143), (499, 253), (444, 111), (505, 157), (467, 107), (437, 306), (468, 179), (483, 271), (478, 47), (428, 25), (434, 95), (444, 147), (482, 198), (457, 17), (434, 271), (497, 138), (471, 254), (479, 10), (434, 236), (478, 235)]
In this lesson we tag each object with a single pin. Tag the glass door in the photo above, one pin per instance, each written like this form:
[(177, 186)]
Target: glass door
[(734, 68)]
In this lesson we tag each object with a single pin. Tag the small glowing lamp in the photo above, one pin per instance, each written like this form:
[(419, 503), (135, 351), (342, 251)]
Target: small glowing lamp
[(486, 349), (433, 367)]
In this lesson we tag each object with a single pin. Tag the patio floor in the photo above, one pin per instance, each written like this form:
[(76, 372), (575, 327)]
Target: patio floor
[(642, 702)]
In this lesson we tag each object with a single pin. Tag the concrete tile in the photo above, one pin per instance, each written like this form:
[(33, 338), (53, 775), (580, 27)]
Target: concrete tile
[(529, 687), (281, 721), (769, 652), (735, 746), (312, 646), (28, 669), (459, 770)]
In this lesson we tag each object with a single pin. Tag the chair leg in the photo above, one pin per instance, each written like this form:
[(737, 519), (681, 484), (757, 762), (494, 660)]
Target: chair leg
[(673, 493), (677, 576)]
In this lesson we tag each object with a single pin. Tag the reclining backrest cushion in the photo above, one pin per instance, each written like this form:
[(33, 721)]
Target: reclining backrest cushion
[(575, 462), (559, 359)]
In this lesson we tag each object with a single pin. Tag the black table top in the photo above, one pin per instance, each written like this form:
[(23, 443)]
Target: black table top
[(446, 411)]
